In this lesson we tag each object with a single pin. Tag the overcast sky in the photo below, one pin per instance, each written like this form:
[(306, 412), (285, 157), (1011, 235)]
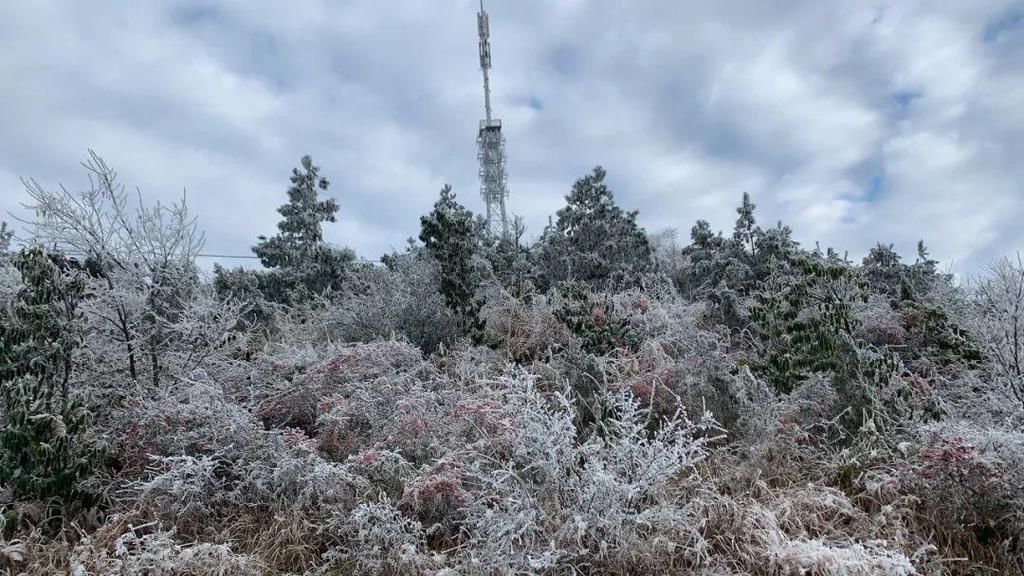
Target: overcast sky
[(852, 121)]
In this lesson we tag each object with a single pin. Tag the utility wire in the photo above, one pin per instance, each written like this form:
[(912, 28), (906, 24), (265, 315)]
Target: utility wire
[(230, 257)]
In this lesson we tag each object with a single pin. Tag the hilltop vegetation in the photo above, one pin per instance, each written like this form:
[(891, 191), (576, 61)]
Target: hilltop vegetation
[(599, 401)]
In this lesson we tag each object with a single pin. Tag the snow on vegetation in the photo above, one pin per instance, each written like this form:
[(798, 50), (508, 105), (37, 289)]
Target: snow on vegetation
[(596, 402)]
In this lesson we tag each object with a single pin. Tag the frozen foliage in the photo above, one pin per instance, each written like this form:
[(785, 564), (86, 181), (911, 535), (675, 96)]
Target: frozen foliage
[(195, 419), (969, 481), (157, 554), (598, 402), (538, 500), (297, 401), (999, 324), (593, 240), (525, 328), (402, 299), (453, 238), (300, 263), (380, 540), (45, 451), (124, 550), (879, 324)]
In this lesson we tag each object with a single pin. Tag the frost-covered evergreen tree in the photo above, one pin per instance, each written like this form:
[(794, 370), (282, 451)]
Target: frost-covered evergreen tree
[(746, 233), (927, 322), (9, 281), (703, 267), (884, 271), (299, 260), (594, 241), (899, 282), (453, 237), (727, 268)]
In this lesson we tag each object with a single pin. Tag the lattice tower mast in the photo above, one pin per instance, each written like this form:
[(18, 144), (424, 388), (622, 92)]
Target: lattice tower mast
[(491, 142)]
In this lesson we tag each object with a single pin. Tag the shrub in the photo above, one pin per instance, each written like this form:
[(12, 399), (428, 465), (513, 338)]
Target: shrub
[(401, 299), (969, 485), (548, 503), (525, 328), (379, 542), (298, 402), (158, 554), (593, 320), (280, 502), (802, 320), (46, 450), (436, 497), (194, 420), (387, 471)]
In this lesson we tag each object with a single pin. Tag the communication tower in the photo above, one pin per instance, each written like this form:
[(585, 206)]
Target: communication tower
[(491, 142)]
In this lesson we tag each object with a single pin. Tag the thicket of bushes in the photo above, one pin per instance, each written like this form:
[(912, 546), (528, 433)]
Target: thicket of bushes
[(599, 402)]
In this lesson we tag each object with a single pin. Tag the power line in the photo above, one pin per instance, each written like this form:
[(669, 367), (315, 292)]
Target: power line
[(234, 256), (228, 257), (251, 257)]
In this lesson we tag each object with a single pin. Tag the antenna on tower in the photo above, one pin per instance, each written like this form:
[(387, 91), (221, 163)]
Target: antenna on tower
[(491, 142)]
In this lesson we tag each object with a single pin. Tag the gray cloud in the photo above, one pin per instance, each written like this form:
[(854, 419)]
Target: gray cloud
[(854, 122)]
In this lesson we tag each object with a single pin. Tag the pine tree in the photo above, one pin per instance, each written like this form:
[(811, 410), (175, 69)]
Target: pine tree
[(732, 267), (746, 233), (594, 241), (703, 262), (702, 237), (45, 453), (884, 272), (300, 261), (900, 282), (453, 237)]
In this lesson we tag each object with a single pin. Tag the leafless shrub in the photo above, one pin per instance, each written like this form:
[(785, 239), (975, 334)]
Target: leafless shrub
[(999, 325), (195, 419), (525, 328), (880, 325), (402, 299), (297, 402), (969, 485)]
